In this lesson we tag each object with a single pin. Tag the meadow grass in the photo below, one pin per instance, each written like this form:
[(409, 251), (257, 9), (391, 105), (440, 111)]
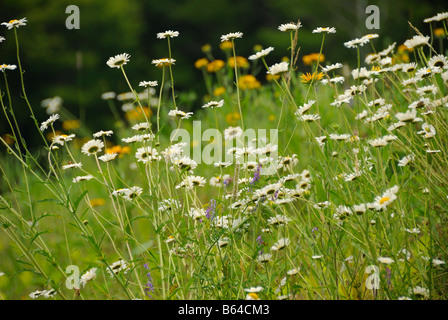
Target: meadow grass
[(356, 207)]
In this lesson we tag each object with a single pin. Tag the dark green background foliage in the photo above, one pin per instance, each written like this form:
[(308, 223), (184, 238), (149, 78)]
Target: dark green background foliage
[(72, 63)]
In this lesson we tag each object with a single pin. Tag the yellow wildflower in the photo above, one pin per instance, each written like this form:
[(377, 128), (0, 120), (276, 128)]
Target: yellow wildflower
[(215, 66), (313, 57), (309, 78), (226, 45), (219, 91), (201, 63), (241, 62), (70, 125), (248, 82)]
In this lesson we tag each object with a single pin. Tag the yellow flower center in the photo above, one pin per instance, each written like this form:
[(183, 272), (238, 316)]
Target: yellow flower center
[(384, 199), (14, 21), (253, 295)]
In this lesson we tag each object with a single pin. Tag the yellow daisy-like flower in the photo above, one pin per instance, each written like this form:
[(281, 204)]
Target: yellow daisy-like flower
[(248, 82), (136, 114), (201, 63), (226, 45), (121, 150), (402, 49), (215, 66), (219, 91), (271, 77), (309, 78), (97, 202), (206, 48), (232, 118), (70, 125), (241, 62), (313, 57), (439, 32)]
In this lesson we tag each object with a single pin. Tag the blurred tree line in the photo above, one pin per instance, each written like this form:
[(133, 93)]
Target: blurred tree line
[(72, 63)]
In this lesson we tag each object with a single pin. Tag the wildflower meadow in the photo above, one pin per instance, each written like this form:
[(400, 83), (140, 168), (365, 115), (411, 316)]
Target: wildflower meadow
[(328, 183)]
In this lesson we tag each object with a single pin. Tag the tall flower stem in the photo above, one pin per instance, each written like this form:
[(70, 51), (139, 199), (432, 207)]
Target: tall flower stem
[(236, 84)]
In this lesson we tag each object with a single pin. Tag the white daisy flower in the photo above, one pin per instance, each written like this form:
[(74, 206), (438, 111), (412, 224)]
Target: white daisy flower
[(437, 262), (36, 294), (185, 163), (82, 178), (118, 60), (63, 138), (117, 267), (192, 181), (179, 114), (232, 133), (293, 272), (196, 214), (146, 154), (280, 244), (371, 36), (222, 164), (214, 104), (406, 160), (131, 193), (88, 276), (163, 62), (290, 26), (141, 126), (386, 260), (388, 50), (260, 54), (278, 220), (103, 133), (416, 41), (362, 73), (72, 165), (429, 89), (108, 157), (332, 67), (304, 109), (420, 291), (381, 202), (147, 84), (287, 162), (15, 23), (254, 289), (308, 117), (92, 147), (4, 67), (356, 42), (325, 30), (429, 131), (338, 137), (278, 68), (264, 257), (438, 61), (44, 125), (231, 36), (108, 95), (408, 116), (167, 34)]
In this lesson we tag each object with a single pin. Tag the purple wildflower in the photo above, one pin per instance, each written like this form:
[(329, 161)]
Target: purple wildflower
[(210, 212), (149, 287), (260, 240), (256, 174)]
